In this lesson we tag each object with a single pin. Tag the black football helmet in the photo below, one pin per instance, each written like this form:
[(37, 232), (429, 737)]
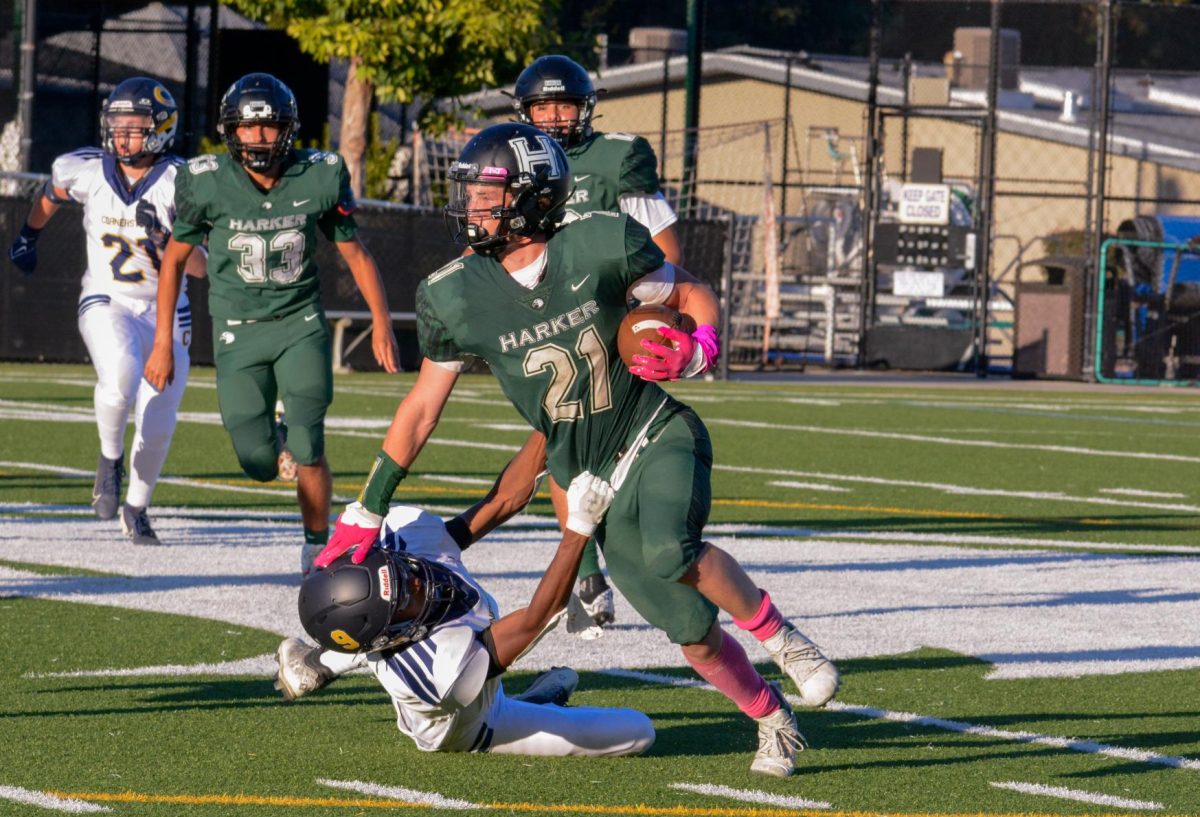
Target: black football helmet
[(352, 608), (531, 169), (258, 99), (145, 97), (555, 77)]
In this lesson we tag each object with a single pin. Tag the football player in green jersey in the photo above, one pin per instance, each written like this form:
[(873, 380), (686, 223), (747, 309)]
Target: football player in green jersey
[(542, 307), (260, 208), (609, 171)]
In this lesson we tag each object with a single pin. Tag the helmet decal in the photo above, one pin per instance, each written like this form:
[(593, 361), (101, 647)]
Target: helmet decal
[(385, 583), (528, 168), (544, 155)]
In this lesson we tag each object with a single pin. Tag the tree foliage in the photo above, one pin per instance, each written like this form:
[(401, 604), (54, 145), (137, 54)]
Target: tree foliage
[(411, 50)]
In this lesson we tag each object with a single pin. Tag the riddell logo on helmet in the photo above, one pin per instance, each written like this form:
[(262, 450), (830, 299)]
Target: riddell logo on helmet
[(385, 583), (257, 109), (552, 85)]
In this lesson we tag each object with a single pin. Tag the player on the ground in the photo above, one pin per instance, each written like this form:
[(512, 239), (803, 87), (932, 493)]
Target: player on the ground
[(435, 640), (542, 307), (127, 189), (261, 207), (609, 171)]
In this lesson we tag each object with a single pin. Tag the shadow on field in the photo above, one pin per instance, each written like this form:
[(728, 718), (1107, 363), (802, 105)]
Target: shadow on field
[(148, 696)]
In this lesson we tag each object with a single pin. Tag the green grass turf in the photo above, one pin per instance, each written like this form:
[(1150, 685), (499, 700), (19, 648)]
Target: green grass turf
[(807, 431), (220, 735), (161, 735)]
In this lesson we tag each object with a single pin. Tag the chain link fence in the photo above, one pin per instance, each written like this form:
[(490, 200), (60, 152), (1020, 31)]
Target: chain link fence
[(936, 200)]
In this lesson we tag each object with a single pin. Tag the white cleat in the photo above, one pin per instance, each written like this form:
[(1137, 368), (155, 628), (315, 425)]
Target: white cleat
[(580, 622), (300, 670), (779, 740), (597, 598), (308, 554), (815, 676), (554, 686), (287, 471)]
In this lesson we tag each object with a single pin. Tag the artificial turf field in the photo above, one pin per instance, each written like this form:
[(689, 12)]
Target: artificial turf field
[(1006, 576)]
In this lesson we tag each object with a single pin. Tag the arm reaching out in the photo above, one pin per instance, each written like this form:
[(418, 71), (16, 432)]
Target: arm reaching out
[(588, 499)]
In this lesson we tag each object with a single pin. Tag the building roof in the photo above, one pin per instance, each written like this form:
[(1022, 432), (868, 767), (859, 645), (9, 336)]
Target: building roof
[(1154, 116)]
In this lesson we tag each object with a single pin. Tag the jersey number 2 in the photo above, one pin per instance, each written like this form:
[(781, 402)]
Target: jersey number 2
[(124, 253), (558, 362), (252, 265)]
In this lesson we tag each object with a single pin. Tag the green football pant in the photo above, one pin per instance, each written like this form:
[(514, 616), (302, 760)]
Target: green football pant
[(288, 357), (652, 532)]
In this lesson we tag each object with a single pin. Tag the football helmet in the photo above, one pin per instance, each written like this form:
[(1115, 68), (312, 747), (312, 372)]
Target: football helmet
[(353, 607), (555, 77), (145, 97), (519, 173), (262, 100)]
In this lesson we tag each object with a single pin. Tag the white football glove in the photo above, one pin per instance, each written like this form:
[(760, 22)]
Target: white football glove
[(588, 498)]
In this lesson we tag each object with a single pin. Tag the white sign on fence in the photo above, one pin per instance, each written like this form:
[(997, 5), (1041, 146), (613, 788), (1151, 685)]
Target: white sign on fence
[(924, 204), (917, 284)]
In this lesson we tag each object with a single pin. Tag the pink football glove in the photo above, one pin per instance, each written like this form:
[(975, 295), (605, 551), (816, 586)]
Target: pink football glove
[(692, 354), (356, 528)]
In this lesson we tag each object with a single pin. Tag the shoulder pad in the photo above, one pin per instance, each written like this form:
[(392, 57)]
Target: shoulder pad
[(623, 137), (171, 158), (449, 269), (202, 164), (86, 153)]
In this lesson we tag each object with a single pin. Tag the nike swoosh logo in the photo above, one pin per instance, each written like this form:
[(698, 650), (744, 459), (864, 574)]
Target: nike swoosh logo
[(302, 201), (309, 317), (581, 178), (582, 281)]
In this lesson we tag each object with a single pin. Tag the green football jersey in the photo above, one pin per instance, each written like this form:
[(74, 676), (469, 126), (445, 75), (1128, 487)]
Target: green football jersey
[(554, 347), (262, 245), (606, 165)]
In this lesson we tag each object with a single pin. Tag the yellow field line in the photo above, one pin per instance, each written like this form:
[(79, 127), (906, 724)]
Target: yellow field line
[(380, 803), (551, 808)]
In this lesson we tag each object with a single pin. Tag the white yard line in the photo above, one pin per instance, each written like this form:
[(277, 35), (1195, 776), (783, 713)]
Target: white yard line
[(49, 801), (423, 798), (810, 486), (1086, 746), (255, 665), (925, 438), (751, 796), (66, 471), (1139, 492), (961, 490), (1080, 796)]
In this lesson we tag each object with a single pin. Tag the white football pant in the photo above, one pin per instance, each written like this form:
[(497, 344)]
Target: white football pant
[(120, 335), (521, 728), (510, 727)]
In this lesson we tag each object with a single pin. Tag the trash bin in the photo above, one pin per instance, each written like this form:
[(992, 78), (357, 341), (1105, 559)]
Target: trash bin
[(1048, 320)]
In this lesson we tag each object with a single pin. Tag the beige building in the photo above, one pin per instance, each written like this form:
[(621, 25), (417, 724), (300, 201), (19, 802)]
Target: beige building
[(1042, 147)]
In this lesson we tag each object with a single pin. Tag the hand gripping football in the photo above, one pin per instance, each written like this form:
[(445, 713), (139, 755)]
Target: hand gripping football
[(643, 322)]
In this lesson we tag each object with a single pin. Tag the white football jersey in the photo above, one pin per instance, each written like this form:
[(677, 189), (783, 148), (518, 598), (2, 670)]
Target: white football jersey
[(438, 684), (123, 257)]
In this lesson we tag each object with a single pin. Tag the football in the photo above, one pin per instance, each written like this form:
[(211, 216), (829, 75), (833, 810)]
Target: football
[(643, 322)]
